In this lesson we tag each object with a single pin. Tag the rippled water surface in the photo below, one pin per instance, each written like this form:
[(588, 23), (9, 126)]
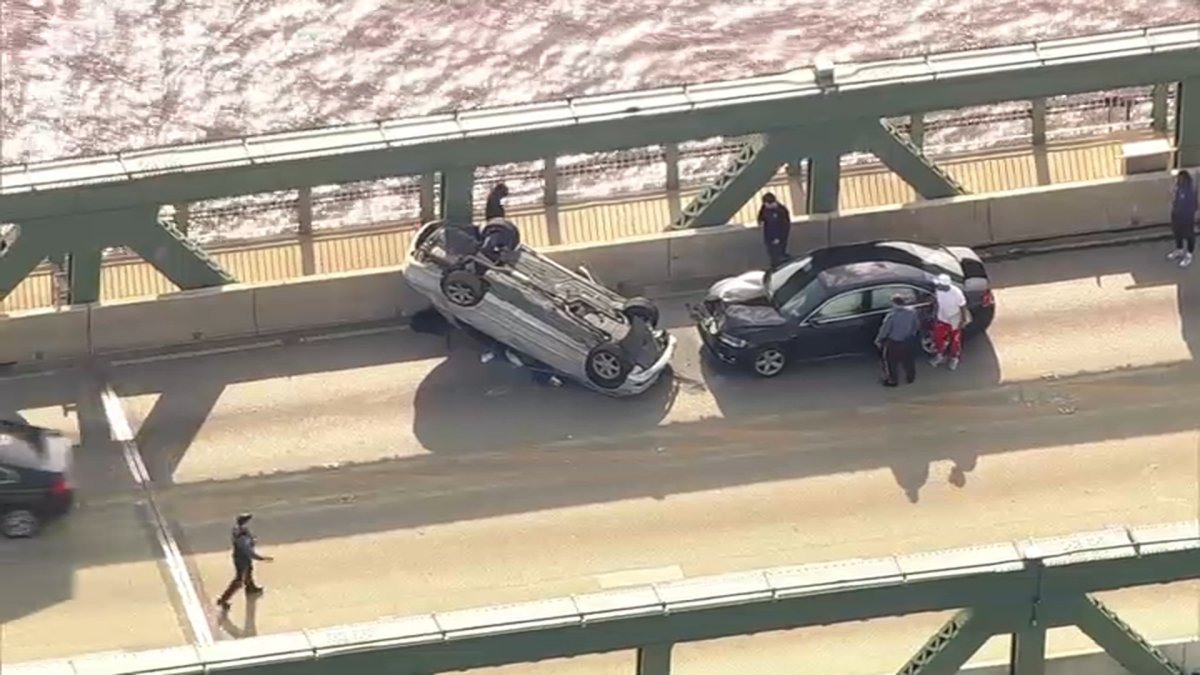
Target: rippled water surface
[(84, 76)]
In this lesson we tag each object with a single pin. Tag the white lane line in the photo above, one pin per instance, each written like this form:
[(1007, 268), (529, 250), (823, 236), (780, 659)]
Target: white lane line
[(118, 424), (30, 376), (197, 353), (353, 333), (640, 577)]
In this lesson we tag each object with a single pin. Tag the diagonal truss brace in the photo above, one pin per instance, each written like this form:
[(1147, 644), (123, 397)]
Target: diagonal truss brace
[(906, 160), (954, 643), (1119, 640)]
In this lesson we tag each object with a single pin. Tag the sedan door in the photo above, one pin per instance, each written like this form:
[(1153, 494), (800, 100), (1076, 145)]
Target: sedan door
[(841, 325)]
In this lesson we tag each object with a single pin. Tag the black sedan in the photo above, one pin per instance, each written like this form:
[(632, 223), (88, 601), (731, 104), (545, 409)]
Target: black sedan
[(832, 302), (35, 485)]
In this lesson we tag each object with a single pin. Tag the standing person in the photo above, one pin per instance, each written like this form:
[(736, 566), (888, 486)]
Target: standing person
[(950, 307), (896, 341), (776, 224), (1183, 219), (244, 555), (495, 202)]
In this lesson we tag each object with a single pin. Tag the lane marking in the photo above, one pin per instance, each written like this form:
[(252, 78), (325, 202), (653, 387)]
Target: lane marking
[(30, 376), (640, 577), (197, 353), (118, 424)]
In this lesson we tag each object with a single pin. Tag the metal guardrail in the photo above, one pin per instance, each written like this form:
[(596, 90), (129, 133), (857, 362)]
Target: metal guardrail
[(1010, 577)]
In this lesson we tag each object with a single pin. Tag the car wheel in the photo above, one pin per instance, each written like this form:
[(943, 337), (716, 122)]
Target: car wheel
[(928, 344), (769, 361), (463, 288), (607, 366), (641, 308), (19, 523), (500, 236)]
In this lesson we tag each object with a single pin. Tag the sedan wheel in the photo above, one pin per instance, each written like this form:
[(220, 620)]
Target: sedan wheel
[(18, 523), (769, 362), (928, 344)]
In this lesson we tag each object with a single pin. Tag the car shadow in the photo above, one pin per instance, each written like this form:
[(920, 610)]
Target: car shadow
[(851, 383), (509, 410)]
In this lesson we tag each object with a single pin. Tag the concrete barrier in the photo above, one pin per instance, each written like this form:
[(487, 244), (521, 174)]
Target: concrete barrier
[(173, 319), (731, 249), (45, 334), (637, 260), (959, 221), (347, 298)]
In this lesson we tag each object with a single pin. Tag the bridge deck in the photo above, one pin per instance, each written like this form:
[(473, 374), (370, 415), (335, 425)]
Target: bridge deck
[(385, 244)]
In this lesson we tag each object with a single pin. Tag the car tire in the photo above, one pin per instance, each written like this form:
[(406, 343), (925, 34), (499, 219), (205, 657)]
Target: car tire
[(607, 366), (641, 308), (19, 523), (769, 361), (463, 288), (928, 344), (499, 237)]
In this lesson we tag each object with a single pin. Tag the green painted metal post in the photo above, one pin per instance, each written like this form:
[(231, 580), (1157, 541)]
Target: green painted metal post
[(83, 273), (824, 180), (550, 200), (1158, 108), (795, 175), (1120, 641), (1037, 113), (654, 660), (951, 647), (458, 187), (183, 216), (1028, 651), (428, 198), (917, 130), (1187, 123), (18, 261), (304, 210), (671, 156)]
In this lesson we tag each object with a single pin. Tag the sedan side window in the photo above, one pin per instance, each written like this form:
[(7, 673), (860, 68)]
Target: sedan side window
[(8, 476), (841, 307), (881, 298)]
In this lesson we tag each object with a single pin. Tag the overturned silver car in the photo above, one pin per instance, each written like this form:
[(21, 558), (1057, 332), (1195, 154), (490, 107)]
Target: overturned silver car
[(485, 278)]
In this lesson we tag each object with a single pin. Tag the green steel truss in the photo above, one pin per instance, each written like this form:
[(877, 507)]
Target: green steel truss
[(1018, 588), (813, 113)]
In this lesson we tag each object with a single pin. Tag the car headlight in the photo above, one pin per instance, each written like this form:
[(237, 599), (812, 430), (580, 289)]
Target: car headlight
[(735, 342)]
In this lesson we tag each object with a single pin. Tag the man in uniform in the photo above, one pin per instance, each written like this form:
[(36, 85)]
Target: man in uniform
[(244, 555), (897, 341)]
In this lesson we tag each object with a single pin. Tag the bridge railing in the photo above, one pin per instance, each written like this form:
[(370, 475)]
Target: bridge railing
[(1022, 588)]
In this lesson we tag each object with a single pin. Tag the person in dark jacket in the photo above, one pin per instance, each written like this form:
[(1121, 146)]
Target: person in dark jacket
[(776, 224), (495, 202), (244, 555), (1183, 219), (897, 340)]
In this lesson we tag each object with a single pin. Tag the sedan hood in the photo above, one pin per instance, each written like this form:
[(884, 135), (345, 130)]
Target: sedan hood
[(745, 318), (743, 288)]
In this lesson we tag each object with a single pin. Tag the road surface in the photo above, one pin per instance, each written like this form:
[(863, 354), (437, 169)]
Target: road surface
[(390, 478)]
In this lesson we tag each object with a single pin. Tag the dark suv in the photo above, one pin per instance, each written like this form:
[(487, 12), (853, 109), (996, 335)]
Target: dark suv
[(35, 477)]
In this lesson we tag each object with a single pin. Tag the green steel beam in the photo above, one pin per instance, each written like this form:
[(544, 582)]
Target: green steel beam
[(174, 255), (1027, 655), (654, 660), (457, 193), (755, 164), (863, 92), (906, 160), (1122, 643), (954, 643), (1187, 123), (83, 273), (19, 260), (824, 187)]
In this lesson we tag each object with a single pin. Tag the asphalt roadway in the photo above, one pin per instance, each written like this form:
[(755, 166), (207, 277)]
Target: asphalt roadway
[(392, 473)]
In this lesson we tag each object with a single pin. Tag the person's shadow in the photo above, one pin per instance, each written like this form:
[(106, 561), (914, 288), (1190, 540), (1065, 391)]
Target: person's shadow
[(249, 626)]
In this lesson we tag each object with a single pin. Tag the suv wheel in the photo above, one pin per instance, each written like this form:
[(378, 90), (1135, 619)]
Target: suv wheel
[(19, 523), (607, 366), (463, 288)]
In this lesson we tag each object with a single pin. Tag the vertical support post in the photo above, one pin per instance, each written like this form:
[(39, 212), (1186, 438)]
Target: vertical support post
[(550, 200), (824, 181), (1028, 653), (304, 211), (795, 175), (1187, 123), (183, 213), (654, 659), (458, 187), (428, 205), (917, 130), (674, 202), (83, 273), (1038, 114), (1158, 108)]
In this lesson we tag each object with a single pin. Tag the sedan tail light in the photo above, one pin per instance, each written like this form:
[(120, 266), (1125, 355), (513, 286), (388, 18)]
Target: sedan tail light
[(60, 487)]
